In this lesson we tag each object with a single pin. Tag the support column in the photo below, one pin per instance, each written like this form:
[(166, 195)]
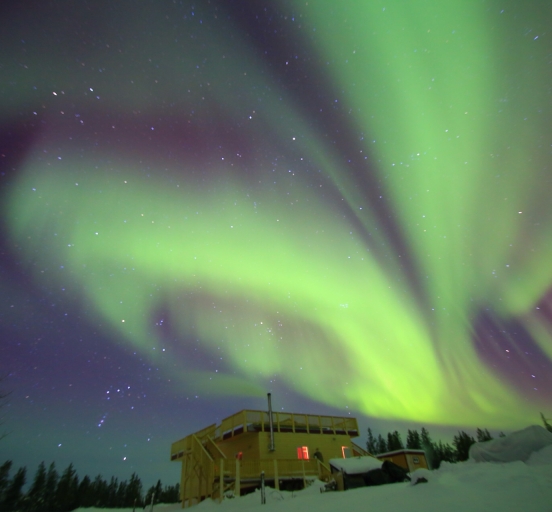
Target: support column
[(221, 480), (276, 479), (237, 483)]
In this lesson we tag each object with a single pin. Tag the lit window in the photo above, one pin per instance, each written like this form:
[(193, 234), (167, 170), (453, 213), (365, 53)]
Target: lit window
[(346, 451), (303, 452)]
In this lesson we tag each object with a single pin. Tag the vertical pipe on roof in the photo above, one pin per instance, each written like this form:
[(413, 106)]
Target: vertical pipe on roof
[(271, 423)]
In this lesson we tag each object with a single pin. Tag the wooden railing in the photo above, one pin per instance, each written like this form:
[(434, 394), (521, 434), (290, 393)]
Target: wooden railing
[(234, 474)]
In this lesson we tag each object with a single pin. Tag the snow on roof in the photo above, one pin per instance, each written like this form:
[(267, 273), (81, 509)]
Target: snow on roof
[(402, 450), (355, 465)]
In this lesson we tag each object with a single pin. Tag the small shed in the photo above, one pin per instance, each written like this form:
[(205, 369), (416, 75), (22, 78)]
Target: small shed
[(406, 458), (350, 473)]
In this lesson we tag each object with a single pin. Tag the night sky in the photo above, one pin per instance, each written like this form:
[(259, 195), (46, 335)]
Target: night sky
[(346, 204)]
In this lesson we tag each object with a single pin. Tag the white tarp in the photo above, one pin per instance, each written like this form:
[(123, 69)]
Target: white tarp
[(516, 446)]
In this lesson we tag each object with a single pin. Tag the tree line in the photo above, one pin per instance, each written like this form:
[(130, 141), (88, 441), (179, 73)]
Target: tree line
[(436, 452), (51, 491)]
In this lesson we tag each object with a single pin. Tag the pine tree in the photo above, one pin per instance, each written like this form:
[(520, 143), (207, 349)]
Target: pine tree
[(443, 452), (13, 496), (170, 494), (483, 435), (394, 441), (85, 493), (4, 477), (37, 492), (413, 440), (427, 446), (112, 492), (371, 446), (547, 425), (156, 491), (134, 491), (100, 492), (50, 488), (121, 494), (67, 488), (381, 445), (462, 443)]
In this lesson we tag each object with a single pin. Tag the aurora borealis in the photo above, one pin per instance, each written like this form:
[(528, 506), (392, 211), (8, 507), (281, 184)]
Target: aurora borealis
[(347, 203)]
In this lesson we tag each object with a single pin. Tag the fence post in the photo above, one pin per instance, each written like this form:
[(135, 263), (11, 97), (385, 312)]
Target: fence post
[(276, 479), (263, 496)]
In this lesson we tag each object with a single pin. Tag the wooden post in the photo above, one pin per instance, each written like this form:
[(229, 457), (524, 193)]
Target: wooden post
[(221, 480), (237, 483), (263, 494), (304, 476), (276, 479)]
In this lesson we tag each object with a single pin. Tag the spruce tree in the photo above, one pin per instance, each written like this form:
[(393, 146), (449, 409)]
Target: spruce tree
[(394, 441), (170, 494), (112, 492), (381, 445), (371, 446), (85, 493), (13, 496), (483, 435), (100, 492), (50, 488), (462, 443), (413, 440), (4, 477), (37, 493), (134, 491), (67, 488)]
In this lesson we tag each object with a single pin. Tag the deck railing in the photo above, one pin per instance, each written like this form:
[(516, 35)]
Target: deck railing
[(258, 421)]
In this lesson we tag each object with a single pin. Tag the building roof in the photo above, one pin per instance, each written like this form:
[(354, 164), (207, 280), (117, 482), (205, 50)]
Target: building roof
[(355, 465), (402, 450)]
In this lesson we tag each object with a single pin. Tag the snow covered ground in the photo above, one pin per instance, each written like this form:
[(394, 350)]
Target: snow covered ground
[(468, 486)]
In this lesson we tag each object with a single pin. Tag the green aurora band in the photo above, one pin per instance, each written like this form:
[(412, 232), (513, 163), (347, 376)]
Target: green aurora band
[(457, 113)]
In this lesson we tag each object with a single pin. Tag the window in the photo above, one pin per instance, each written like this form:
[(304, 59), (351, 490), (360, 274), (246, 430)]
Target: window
[(303, 452), (346, 451)]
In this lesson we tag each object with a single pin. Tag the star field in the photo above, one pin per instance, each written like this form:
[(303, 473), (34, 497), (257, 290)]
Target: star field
[(345, 205)]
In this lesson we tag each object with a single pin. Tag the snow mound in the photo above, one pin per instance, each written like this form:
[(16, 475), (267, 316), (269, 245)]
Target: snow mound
[(420, 474), (516, 446)]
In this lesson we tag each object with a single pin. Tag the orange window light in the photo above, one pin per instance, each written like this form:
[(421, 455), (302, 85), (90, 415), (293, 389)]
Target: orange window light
[(303, 452)]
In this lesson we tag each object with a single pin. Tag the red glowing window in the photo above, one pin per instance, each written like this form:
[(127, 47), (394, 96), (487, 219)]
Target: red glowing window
[(303, 452)]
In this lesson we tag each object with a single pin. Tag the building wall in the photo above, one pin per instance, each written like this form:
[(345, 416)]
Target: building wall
[(286, 443), (247, 443), (255, 445), (409, 460), (416, 460)]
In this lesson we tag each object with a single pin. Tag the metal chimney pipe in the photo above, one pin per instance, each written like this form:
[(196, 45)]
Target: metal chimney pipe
[(271, 423)]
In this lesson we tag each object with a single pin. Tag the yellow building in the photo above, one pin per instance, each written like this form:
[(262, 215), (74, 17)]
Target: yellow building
[(288, 448)]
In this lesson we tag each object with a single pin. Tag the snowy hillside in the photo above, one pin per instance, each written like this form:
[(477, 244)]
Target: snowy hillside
[(468, 486)]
